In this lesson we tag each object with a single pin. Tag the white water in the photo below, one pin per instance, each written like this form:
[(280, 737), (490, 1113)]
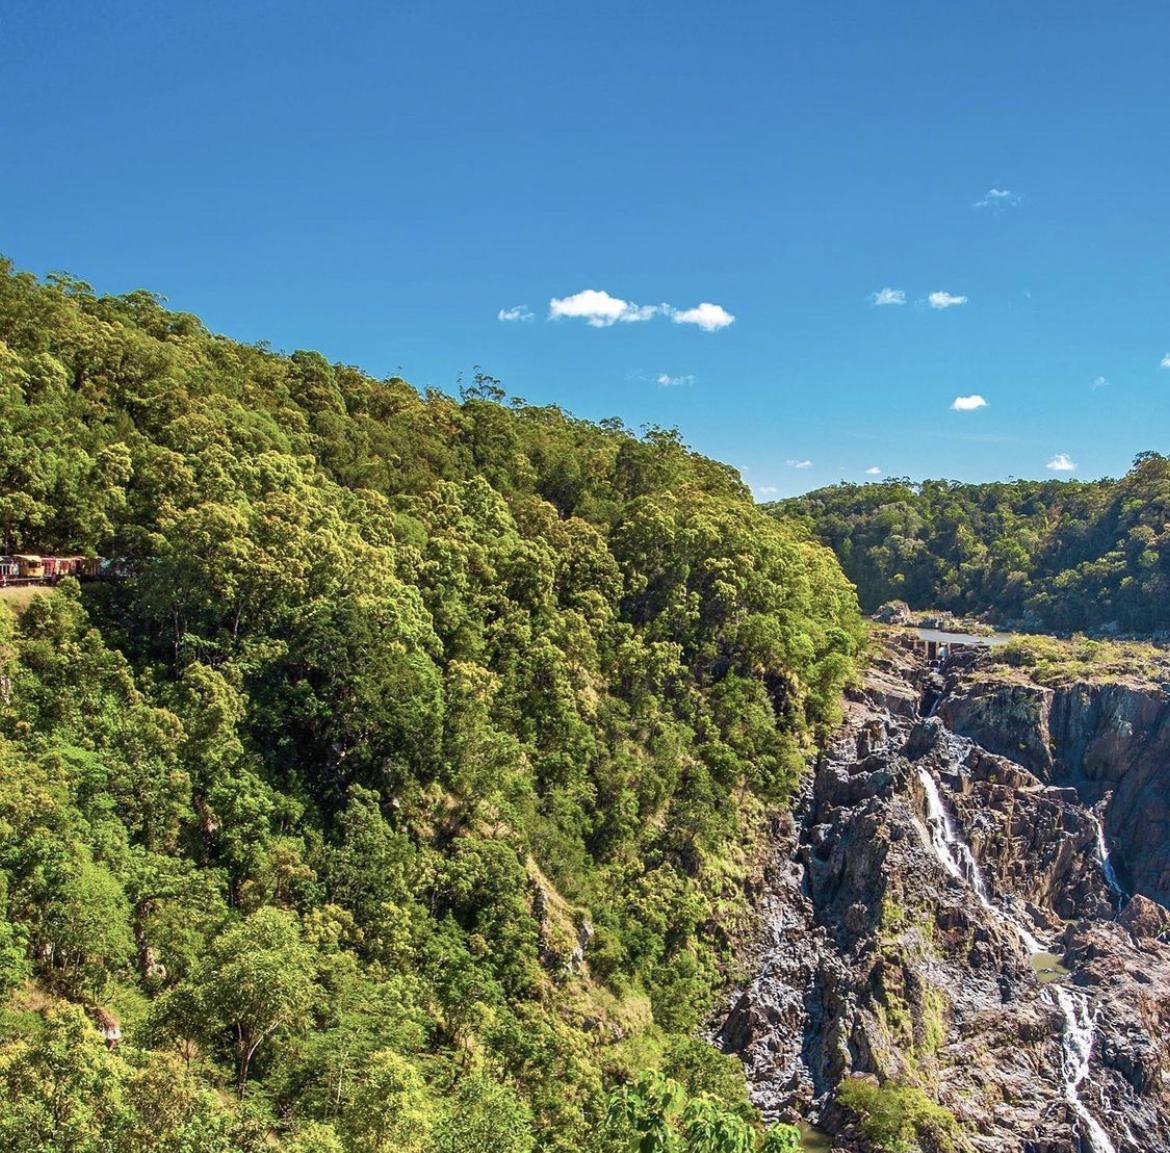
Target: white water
[(1076, 1049), (1111, 878), (955, 855)]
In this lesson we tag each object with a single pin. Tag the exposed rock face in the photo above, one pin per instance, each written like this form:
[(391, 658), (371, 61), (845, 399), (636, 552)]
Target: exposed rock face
[(928, 859), (894, 613), (1110, 741)]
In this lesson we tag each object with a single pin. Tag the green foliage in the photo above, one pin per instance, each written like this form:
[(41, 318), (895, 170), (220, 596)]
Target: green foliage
[(255, 983), (655, 1114), (391, 1110), (1063, 555), (404, 762), (483, 1116), (1048, 660), (643, 1117), (315, 1137), (702, 1069), (899, 1118), (781, 1138), (63, 1091)]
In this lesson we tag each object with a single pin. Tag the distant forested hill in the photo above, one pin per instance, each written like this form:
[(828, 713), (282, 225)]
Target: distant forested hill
[(401, 792), (1060, 554)]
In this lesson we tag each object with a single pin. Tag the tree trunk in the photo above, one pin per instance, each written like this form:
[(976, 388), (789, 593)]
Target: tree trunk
[(246, 1048)]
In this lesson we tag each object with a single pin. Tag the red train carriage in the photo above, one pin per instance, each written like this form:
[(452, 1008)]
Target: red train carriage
[(57, 567)]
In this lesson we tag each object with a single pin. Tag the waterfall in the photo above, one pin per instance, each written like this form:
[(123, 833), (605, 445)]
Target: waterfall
[(950, 849), (1111, 878), (1076, 1049), (955, 855)]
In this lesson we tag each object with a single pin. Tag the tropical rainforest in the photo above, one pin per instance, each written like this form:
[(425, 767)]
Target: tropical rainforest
[(401, 789), (1057, 555)]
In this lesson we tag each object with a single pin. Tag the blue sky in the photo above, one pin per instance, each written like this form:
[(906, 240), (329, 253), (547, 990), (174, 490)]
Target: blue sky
[(379, 181)]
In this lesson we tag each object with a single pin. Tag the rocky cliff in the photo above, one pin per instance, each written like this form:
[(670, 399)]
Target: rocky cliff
[(946, 927), (1109, 741)]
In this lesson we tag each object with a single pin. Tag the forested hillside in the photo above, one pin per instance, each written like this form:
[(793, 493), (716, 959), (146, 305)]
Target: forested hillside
[(1063, 555), (400, 793)]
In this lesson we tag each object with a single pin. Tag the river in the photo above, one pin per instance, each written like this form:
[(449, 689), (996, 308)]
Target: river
[(979, 640)]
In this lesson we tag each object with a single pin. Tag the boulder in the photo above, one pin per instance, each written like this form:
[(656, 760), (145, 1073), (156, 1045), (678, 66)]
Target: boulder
[(1145, 919)]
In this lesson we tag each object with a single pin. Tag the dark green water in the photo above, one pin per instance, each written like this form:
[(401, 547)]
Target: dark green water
[(814, 1141), (1048, 968)]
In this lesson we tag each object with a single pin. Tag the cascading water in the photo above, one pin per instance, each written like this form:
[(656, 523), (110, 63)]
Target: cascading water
[(1076, 1050), (1111, 878), (951, 851), (955, 855)]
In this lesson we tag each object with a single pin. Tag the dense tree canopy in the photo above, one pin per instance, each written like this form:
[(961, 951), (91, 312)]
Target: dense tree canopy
[(399, 793), (1062, 555)]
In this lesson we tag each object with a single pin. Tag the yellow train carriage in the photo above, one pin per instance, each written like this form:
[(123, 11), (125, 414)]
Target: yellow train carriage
[(30, 567)]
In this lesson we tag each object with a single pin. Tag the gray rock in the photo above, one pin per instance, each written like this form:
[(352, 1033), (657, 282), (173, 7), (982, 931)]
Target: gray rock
[(878, 961)]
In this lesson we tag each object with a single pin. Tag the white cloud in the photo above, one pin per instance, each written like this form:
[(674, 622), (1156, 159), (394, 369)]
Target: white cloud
[(519, 312), (799, 463), (874, 471), (665, 380), (998, 199), (1061, 462), (598, 309), (888, 296), (944, 300), (767, 489), (1165, 361), (1100, 382), (968, 403), (709, 317)]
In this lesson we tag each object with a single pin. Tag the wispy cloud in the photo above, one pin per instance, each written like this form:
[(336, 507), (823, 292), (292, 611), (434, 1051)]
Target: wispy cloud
[(665, 380), (997, 199), (873, 471), (767, 490), (799, 463), (968, 403), (944, 300), (1100, 382), (1061, 462), (1165, 361), (601, 310), (519, 312), (709, 317), (888, 296)]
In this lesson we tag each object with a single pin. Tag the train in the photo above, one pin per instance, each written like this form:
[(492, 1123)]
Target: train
[(31, 568)]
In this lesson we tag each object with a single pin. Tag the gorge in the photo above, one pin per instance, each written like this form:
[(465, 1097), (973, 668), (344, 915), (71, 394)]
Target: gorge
[(946, 923)]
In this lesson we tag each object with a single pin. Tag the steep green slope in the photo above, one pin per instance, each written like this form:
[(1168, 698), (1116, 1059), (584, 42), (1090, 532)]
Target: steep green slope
[(1058, 554), (399, 795)]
